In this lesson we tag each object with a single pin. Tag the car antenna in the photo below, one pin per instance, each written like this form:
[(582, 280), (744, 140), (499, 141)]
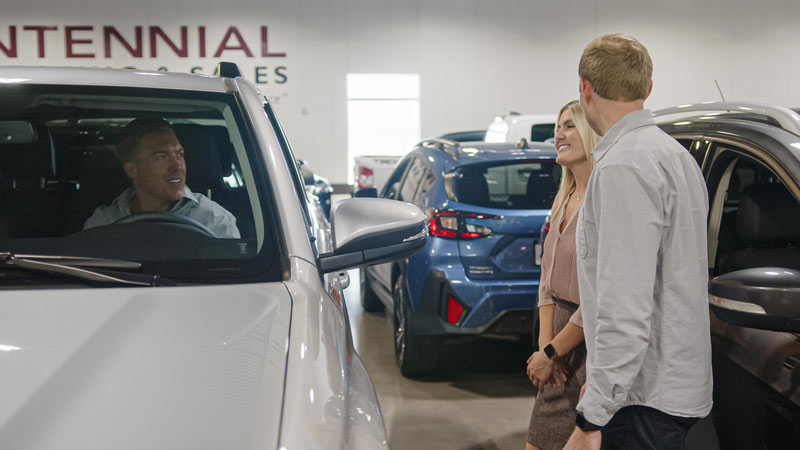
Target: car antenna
[(719, 89)]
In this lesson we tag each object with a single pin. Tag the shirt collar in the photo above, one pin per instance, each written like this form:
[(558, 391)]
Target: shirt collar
[(629, 122), (126, 199)]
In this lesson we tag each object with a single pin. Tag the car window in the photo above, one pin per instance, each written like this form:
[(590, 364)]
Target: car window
[(65, 181), (393, 183), (747, 196), (541, 132), (509, 184), (411, 181), (428, 178)]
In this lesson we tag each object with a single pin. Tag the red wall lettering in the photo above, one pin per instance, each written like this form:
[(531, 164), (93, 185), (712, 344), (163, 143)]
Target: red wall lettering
[(183, 51), (201, 40), (232, 31), (70, 41), (264, 49), (108, 32), (11, 50), (40, 30)]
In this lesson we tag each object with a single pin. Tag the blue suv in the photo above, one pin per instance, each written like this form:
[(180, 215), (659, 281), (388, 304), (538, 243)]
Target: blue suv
[(478, 274)]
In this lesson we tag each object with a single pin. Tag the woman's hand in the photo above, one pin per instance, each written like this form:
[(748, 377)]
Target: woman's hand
[(559, 374), (539, 370)]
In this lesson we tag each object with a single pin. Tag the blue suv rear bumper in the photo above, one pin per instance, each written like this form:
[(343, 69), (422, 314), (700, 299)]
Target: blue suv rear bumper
[(501, 308)]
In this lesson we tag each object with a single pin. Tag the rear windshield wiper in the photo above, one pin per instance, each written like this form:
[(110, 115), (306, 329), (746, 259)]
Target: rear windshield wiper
[(99, 270)]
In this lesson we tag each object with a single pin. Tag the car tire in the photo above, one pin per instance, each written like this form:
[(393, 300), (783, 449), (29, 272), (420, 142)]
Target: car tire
[(415, 354), (369, 300)]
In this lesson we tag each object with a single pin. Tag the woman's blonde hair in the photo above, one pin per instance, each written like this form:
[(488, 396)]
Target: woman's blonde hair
[(589, 138)]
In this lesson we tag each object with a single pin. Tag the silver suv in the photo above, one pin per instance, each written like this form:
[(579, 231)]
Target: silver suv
[(213, 317), (750, 157)]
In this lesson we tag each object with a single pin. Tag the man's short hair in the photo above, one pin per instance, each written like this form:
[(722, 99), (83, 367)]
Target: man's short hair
[(618, 67), (128, 148)]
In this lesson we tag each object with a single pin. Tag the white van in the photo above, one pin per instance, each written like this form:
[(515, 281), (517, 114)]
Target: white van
[(515, 126)]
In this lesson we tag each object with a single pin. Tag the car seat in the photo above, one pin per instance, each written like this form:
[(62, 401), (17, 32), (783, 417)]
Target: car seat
[(768, 229), (471, 188), (209, 158)]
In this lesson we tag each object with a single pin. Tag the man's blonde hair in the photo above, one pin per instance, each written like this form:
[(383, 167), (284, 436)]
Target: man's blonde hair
[(618, 67)]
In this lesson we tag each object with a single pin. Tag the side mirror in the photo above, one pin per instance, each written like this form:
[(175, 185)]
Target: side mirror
[(372, 231), (366, 193), (766, 298)]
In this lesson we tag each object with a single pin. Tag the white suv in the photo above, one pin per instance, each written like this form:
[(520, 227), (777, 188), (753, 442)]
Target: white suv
[(514, 127), (153, 332)]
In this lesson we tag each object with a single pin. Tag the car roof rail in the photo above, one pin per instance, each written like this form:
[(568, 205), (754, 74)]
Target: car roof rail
[(445, 145), (786, 118), (228, 70)]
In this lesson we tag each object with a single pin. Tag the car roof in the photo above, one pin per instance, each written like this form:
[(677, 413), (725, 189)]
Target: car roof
[(84, 76), (486, 152), (533, 118)]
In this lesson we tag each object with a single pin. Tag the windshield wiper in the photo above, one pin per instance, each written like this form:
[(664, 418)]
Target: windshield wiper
[(91, 269)]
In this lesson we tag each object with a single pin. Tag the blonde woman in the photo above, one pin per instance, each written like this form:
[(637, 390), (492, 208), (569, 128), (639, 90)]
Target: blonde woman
[(558, 369)]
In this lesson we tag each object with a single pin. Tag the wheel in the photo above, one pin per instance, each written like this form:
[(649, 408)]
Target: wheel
[(369, 300), (415, 354), (167, 217)]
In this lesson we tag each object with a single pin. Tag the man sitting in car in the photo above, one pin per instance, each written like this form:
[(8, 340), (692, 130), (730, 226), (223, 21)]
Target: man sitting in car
[(152, 157)]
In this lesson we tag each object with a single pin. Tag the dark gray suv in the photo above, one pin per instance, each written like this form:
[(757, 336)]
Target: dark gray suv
[(750, 157)]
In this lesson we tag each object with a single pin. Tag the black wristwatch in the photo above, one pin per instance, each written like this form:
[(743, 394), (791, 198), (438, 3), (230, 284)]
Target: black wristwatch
[(550, 351), (584, 424)]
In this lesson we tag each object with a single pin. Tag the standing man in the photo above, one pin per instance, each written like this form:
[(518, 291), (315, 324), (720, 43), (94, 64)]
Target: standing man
[(642, 265)]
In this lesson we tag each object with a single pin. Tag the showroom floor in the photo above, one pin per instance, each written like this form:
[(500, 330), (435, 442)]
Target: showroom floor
[(481, 401)]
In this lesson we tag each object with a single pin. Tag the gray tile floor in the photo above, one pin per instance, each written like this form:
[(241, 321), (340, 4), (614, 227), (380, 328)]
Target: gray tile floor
[(482, 403)]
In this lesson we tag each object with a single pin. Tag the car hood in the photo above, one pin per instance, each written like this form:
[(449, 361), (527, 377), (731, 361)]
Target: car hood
[(143, 368)]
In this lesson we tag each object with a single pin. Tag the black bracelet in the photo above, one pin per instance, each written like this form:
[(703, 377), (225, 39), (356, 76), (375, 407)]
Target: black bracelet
[(585, 425)]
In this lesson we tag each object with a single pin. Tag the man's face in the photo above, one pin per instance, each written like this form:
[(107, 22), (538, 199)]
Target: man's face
[(158, 172)]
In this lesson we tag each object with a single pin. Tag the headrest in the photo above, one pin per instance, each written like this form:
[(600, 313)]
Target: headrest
[(767, 214), (472, 189), (203, 145)]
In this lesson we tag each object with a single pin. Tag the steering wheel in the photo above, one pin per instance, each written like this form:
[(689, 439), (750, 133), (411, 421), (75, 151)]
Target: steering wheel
[(166, 217)]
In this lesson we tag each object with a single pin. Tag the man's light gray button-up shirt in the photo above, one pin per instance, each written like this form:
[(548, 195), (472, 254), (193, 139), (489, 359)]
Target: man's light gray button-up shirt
[(192, 205), (643, 275)]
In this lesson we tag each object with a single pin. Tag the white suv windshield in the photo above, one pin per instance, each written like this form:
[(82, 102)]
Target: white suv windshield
[(161, 177)]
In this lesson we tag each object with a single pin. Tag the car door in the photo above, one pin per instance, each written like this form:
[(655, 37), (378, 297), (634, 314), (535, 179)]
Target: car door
[(756, 371)]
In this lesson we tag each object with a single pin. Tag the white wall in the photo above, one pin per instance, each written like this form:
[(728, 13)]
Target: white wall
[(476, 58)]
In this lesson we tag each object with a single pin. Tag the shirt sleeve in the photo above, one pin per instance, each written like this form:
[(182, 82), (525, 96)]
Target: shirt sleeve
[(224, 224), (628, 210), (98, 218), (577, 318), (544, 275)]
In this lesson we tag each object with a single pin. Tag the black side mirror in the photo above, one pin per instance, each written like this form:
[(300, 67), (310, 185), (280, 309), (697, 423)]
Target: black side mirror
[(766, 298)]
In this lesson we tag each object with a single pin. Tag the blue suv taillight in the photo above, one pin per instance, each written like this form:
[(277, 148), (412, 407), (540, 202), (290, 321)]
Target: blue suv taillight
[(452, 224)]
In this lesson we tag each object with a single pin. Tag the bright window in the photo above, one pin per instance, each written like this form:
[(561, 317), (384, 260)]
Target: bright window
[(383, 115)]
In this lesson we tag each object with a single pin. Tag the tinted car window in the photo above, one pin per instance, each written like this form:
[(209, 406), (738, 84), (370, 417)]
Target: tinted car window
[(425, 184), (393, 183), (67, 169), (542, 132), (509, 185), (416, 172)]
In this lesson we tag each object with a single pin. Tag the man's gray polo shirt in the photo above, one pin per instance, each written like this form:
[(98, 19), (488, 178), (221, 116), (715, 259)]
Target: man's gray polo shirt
[(643, 275), (192, 205)]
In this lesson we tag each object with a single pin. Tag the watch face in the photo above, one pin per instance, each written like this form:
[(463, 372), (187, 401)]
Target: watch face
[(549, 351)]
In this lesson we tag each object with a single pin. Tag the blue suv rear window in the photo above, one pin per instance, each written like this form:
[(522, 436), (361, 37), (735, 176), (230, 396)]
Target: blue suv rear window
[(509, 185)]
